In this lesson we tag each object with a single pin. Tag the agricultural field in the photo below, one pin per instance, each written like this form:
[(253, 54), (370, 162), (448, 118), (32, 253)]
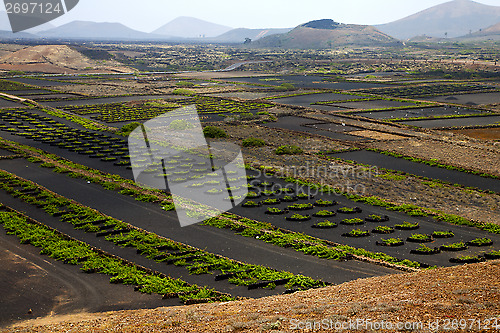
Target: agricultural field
[(351, 170), (123, 112)]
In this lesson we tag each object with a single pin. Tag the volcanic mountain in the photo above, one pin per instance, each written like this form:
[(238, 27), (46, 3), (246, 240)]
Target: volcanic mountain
[(451, 19), (239, 35), (190, 27), (96, 31), (327, 33)]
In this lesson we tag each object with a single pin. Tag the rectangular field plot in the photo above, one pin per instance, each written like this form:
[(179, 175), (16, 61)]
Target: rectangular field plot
[(431, 89), (481, 133), (309, 100), (333, 127), (455, 122), (148, 109), (10, 85), (42, 97), (309, 126), (304, 81), (249, 94), (416, 113), (41, 82), (420, 169), (376, 104), (108, 100), (469, 99), (26, 92)]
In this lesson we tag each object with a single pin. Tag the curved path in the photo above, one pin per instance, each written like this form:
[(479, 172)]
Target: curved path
[(33, 282)]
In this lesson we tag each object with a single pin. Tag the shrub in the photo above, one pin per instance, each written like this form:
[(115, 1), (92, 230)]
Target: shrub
[(128, 128), (214, 132), (289, 150), (285, 87), (247, 116), (391, 241), (185, 84), (325, 224), (253, 142), (181, 91), (15, 72)]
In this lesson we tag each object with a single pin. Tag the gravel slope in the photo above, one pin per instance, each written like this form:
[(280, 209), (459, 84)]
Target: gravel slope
[(469, 292)]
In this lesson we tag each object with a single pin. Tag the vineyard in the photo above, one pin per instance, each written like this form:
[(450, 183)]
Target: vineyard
[(91, 260), (13, 86), (431, 90), (131, 111), (153, 247), (326, 171)]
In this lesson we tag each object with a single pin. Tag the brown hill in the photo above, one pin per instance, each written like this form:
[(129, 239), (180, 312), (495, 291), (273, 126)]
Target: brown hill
[(469, 292), (490, 33), (493, 29), (55, 59), (323, 34)]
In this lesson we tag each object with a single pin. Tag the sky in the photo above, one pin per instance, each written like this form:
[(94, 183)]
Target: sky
[(148, 15)]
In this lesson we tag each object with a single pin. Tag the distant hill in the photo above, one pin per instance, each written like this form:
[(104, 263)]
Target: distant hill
[(490, 33), (43, 27), (190, 27), (451, 19), (97, 31), (327, 33), (239, 35), (5, 25), (8, 34), (494, 29)]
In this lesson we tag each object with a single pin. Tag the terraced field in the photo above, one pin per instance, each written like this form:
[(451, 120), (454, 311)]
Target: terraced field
[(68, 192)]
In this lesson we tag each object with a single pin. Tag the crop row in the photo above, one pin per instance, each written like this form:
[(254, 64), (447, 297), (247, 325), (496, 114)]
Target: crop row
[(430, 90), (408, 209), (46, 130), (13, 86), (450, 116), (433, 162), (119, 112), (63, 248), (390, 174), (150, 245)]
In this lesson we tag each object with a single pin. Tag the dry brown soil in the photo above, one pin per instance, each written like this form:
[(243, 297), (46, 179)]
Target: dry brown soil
[(469, 292)]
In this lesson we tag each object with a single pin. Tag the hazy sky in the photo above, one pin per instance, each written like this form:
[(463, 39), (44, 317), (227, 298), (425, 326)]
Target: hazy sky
[(148, 15)]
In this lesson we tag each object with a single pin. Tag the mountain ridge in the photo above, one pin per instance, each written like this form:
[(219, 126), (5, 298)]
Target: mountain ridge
[(451, 19), (96, 30), (191, 27), (240, 34)]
